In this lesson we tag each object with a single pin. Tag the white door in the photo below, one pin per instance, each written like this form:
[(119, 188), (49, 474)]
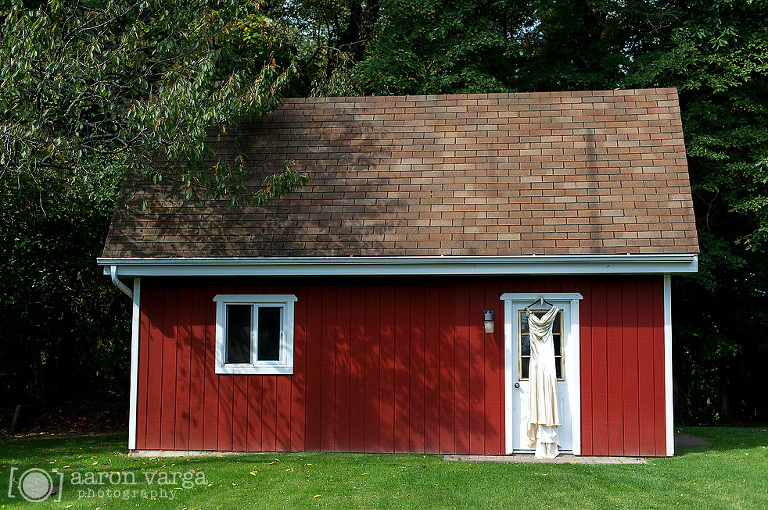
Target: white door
[(517, 358)]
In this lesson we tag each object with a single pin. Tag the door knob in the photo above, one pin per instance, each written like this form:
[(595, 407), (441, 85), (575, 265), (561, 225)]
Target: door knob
[(517, 385)]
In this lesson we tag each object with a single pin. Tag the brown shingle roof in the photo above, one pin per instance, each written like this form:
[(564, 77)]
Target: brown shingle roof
[(491, 174)]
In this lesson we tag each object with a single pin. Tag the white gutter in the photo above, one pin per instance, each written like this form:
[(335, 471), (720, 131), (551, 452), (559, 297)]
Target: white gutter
[(112, 271), (401, 266)]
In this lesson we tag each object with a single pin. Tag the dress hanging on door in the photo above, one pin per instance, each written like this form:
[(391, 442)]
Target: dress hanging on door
[(543, 411)]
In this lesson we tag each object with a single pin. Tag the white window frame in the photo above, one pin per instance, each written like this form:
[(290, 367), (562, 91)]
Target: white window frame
[(284, 365)]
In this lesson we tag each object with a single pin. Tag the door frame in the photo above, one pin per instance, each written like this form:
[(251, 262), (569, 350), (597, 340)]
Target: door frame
[(572, 360)]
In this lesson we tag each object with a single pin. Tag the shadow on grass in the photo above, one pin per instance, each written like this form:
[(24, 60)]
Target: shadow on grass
[(728, 474), (716, 438), (32, 446), (688, 440)]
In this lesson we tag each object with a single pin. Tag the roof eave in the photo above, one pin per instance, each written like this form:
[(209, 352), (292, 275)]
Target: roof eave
[(402, 266)]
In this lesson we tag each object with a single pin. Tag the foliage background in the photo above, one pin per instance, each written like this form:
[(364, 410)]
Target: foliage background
[(63, 327)]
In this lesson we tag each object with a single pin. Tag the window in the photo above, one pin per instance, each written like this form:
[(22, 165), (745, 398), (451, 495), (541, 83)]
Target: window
[(524, 346), (254, 333)]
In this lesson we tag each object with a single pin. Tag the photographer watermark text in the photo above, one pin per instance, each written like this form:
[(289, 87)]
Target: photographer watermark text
[(37, 484)]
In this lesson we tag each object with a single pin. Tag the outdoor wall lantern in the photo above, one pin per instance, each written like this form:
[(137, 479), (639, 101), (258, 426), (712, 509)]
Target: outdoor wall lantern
[(488, 320)]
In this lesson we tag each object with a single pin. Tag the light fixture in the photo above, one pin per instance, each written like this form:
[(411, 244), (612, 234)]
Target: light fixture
[(488, 320)]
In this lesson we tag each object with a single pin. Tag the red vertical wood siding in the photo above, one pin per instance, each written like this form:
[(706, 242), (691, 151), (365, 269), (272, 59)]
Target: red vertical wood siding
[(461, 355), (432, 369), (298, 382), (155, 369), (393, 365), (622, 366), (446, 344), (313, 406), (417, 371), (197, 368), (357, 371), (614, 350), (183, 375), (493, 376), (211, 385), (402, 388)]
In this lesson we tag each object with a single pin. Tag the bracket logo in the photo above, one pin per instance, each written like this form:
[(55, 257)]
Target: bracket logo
[(36, 484)]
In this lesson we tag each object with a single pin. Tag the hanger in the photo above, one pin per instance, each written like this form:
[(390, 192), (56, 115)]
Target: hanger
[(541, 302)]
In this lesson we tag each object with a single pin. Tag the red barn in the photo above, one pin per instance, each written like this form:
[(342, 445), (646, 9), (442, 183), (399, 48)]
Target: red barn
[(349, 315)]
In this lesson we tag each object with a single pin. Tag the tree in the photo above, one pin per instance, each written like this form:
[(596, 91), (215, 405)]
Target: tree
[(88, 90), (138, 82), (717, 56), (430, 47), (586, 45), (509, 45), (64, 332), (328, 37), (92, 87)]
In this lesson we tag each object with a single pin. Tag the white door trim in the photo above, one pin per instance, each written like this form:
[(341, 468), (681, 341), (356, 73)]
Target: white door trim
[(571, 352)]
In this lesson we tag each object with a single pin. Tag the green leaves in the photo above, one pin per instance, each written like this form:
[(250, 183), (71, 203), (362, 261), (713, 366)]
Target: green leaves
[(505, 45), (430, 47), (140, 82), (89, 91), (716, 55), (280, 184), (59, 318)]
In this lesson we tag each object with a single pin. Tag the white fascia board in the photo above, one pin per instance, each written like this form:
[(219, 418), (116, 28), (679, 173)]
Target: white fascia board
[(403, 266)]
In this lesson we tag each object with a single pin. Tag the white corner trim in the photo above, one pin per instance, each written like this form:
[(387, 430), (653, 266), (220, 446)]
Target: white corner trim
[(133, 394), (402, 266), (668, 388)]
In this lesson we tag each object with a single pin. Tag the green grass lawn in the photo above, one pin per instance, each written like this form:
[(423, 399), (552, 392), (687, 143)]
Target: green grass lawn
[(733, 473)]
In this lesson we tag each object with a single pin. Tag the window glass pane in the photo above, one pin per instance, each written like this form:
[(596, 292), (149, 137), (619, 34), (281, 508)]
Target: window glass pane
[(524, 352), (269, 333), (525, 345), (239, 333)]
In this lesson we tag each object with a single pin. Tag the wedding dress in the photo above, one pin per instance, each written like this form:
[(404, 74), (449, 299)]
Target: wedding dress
[(543, 412)]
